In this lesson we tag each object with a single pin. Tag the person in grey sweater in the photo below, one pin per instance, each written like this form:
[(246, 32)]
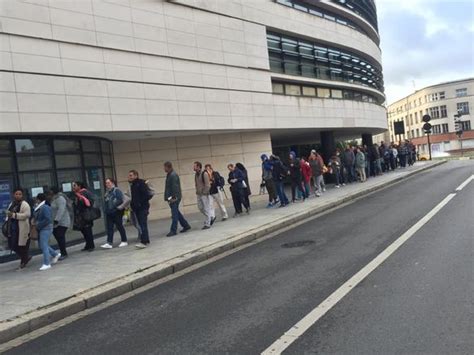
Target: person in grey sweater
[(173, 196), (61, 218)]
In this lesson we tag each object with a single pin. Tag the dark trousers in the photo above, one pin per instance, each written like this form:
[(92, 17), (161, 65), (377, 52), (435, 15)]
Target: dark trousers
[(88, 237), (239, 198), (22, 251), (142, 220), (270, 185), (294, 185), (59, 233), (177, 216), (115, 219), (281, 192)]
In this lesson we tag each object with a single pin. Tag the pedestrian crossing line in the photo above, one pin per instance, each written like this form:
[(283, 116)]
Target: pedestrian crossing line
[(464, 184), (311, 318)]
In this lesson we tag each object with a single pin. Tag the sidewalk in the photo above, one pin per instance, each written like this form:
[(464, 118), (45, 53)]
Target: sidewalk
[(31, 299)]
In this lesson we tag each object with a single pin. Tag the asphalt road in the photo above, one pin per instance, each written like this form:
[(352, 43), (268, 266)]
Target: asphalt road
[(420, 300)]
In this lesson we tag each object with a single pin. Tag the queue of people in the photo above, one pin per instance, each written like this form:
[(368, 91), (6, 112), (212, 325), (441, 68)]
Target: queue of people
[(55, 212)]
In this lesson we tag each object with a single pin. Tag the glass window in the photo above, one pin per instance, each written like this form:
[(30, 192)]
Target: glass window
[(106, 147), (5, 165), (107, 160), (461, 92), (289, 45), (324, 93), (445, 128), (35, 183), (63, 145), (309, 91), (66, 177), (291, 65), (278, 88), (466, 125), (34, 162), (92, 160), (108, 173), (336, 94), (292, 89), (68, 161), (444, 111), (31, 146), (442, 95), (89, 145), (463, 107), (4, 146)]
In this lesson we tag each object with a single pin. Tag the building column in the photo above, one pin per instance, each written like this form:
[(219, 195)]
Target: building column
[(367, 139), (328, 144)]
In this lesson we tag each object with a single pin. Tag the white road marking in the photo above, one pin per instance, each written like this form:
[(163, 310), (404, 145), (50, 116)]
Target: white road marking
[(311, 318), (463, 185)]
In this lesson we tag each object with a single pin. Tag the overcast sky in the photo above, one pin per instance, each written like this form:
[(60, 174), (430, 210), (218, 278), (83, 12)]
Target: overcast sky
[(425, 42)]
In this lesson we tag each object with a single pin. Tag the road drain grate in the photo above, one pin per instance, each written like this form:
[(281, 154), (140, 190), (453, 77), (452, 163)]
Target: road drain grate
[(298, 244)]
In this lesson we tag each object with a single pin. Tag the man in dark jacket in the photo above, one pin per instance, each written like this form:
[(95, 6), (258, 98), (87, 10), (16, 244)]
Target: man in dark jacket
[(140, 205), (296, 177), (279, 172), (173, 197), (348, 163)]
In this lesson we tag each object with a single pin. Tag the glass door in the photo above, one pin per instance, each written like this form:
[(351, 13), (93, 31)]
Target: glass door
[(95, 183)]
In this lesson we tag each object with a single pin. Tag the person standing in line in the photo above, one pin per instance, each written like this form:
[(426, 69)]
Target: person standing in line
[(360, 164), (140, 206), (280, 171), (295, 176), (217, 184), (18, 227), (113, 201), (348, 161), (306, 173), (173, 196), (61, 218), (246, 185), (316, 164), (335, 168), (267, 178), (83, 200), (205, 204), (236, 181), (44, 225)]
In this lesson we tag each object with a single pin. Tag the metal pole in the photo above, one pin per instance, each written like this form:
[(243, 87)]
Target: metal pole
[(429, 144), (460, 141)]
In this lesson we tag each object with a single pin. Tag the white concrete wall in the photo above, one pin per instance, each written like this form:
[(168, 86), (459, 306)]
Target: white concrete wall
[(148, 155)]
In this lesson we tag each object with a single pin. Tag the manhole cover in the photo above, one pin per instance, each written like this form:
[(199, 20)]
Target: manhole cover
[(301, 243)]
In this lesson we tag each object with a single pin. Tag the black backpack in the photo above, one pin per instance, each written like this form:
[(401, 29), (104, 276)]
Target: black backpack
[(220, 181)]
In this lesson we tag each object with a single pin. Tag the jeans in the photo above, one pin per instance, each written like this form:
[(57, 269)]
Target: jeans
[(297, 184), (206, 207), (319, 183), (176, 217), (220, 202), (281, 192), (337, 176), (48, 252), (88, 237), (142, 220), (115, 219), (59, 233)]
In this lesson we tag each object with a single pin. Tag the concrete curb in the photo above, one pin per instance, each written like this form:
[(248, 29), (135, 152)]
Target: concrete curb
[(28, 322)]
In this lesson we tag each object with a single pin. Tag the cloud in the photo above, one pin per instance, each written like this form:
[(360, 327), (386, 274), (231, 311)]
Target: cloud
[(425, 41)]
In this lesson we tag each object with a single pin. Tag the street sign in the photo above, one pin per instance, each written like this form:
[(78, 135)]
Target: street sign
[(426, 118), (427, 127)]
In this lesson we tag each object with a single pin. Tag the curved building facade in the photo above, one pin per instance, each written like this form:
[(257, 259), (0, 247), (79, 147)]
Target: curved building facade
[(441, 101), (180, 80)]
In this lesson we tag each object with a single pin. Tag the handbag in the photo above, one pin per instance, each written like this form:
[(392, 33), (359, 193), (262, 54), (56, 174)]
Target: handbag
[(91, 214), (34, 235), (5, 228)]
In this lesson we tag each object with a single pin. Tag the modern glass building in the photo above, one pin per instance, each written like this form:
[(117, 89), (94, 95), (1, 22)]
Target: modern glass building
[(93, 88)]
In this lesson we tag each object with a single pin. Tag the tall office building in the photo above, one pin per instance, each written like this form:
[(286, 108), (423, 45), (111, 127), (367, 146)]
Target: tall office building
[(441, 101), (93, 88)]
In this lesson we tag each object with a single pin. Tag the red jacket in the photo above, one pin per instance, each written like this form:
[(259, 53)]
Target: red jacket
[(306, 171)]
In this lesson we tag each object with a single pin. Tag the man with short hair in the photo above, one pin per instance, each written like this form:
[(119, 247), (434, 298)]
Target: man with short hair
[(205, 204), (140, 205), (173, 196), (267, 178), (61, 218)]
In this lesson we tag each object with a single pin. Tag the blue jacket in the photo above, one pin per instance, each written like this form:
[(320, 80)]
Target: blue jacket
[(43, 217), (113, 198)]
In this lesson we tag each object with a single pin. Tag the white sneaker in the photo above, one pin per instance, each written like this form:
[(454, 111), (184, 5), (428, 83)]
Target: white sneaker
[(123, 244), (140, 246), (106, 246), (55, 259), (44, 267), (324, 189)]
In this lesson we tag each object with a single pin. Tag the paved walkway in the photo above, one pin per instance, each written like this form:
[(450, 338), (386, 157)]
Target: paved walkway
[(26, 290)]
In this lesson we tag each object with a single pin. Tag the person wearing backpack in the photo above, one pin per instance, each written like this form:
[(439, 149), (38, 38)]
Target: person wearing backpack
[(217, 184), (61, 209), (44, 225), (83, 201), (205, 204), (279, 172), (140, 205), (113, 202)]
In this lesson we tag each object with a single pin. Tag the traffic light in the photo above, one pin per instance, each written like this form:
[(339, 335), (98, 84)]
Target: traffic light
[(427, 126)]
